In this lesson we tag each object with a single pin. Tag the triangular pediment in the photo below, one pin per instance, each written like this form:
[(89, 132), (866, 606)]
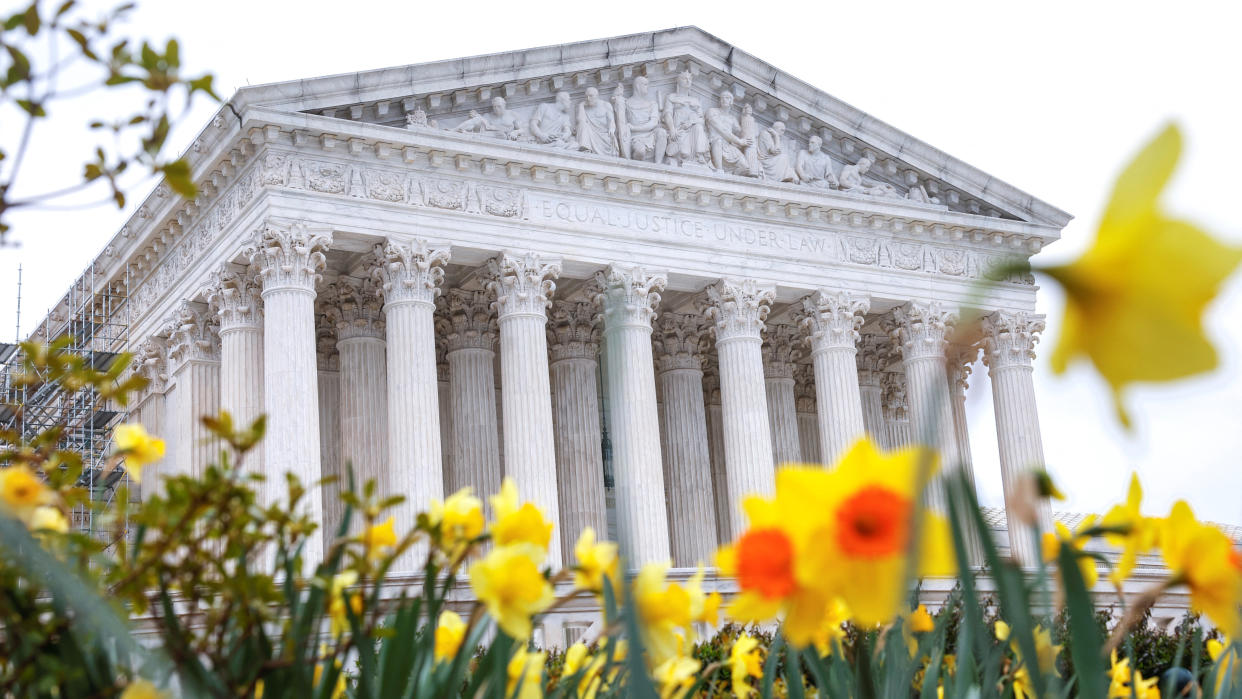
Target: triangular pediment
[(459, 94)]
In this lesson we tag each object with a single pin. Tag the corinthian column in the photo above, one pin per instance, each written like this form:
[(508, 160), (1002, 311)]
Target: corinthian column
[(329, 362), (354, 308), (896, 410), (957, 369), (808, 419), (289, 259), (194, 365), (1009, 339), (737, 309), (780, 351), (522, 286), (687, 464), (235, 298), (715, 447), (151, 363), (409, 275), (629, 298), (573, 338), (872, 355), (832, 319), (471, 340)]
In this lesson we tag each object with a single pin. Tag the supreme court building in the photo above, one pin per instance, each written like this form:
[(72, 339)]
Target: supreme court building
[(632, 273)]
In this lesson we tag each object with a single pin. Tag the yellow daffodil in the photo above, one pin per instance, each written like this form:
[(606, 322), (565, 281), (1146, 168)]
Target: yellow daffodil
[(1225, 657), (1053, 542), (831, 632), (22, 491), (138, 448), (379, 539), (663, 608), (46, 518), (842, 532), (1203, 558), (704, 607), (1124, 683), (337, 595), (1135, 299), (1141, 534), (578, 659), (745, 661), (518, 522), (596, 561), (1046, 657), (525, 668), (676, 676), (460, 518), (508, 581), (338, 690), (450, 632), (921, 621), (141, 689)]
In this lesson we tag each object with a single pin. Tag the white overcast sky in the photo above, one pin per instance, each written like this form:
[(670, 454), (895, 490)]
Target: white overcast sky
[(1052, 97)]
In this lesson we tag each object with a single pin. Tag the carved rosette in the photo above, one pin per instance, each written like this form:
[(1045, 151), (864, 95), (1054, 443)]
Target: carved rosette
[(873, 355), (738, 308), (573, 331), (921, 329), (1009, 338), (193, 336), (804, 388), (468, 321), (289, 256), (832, 319), (780, 351), (895, 401), (409, 272), (355, 309), (522, 284), (151, 363), (628, 295), (678, 342), (236, 298)]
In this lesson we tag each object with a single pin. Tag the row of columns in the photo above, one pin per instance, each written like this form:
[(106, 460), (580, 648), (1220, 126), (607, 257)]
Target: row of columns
[(726, 418)]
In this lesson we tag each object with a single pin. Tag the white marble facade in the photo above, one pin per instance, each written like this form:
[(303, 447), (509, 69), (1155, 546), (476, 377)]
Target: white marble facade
[(446, 280)]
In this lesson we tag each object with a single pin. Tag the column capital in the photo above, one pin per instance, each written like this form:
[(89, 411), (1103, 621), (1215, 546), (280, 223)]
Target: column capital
[(958, 361), (711, 379), (327, 357), (522, 283), (573, 331), (833, 318), (804, 387), (781, 351), (355, 308), (738, 308), (678, 341), (409, 272), (872, 358), (1009, 338), (921, 329), (468, 321), (192, 336), (895, 401), (151, 363), (289, 256), (236, 298), (628, 295)]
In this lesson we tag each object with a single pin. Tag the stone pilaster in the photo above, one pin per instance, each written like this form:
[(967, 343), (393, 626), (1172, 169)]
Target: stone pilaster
[(896, 405), (808, 416), (780, 353), (958, 361), (151, 363), (328, 359), (737, 309), (573, 341), (194, 365), (715, 446), (409, 275), (236, 300), (873, 352), (629, 297), (470, 342), (289, 258), (522, 286), (444, 400), (687, 462), (832, 320), (1009, 339)]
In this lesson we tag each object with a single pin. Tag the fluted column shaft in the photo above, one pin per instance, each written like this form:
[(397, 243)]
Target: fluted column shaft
[(715, 449), (871, 393), (364, 409), (687, 464), (738, 309), (194, 370), (330, 448), (780, 351), (832, 320), (150, 406), (522, 285), (236, 300), (470, 338), (629, 297), (1009, 340), (957, 372)]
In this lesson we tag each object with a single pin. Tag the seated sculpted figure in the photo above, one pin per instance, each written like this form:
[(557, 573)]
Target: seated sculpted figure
[(553, 123), (852, 180), (919, 193), (814, 166), (683, 119), (418, 119), (597, 126), (638, 124), (498, 123), (730, 149), (773, 160)]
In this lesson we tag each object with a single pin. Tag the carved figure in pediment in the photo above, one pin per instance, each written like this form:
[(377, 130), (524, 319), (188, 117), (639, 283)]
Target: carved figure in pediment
[(730, 149), (814, 167), (418, 119), (500, 122), (597, 125), (553, 123), (683, 118), (853, 180), (638, 123), (775, 165), (919, 193)]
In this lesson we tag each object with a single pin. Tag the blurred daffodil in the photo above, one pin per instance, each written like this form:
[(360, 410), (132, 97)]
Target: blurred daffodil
[(1202, 557), (138, 448), (525, 674), (22, 491), (676, 676), (379, 539), (517, 521), (508, 581), (460, 518), (1076, 541), (141, 689), (597, 560), (745, 661), (450, 632), (1138, 535)]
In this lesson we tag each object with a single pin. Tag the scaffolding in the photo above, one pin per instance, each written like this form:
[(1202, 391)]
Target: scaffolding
[(94, 315)]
